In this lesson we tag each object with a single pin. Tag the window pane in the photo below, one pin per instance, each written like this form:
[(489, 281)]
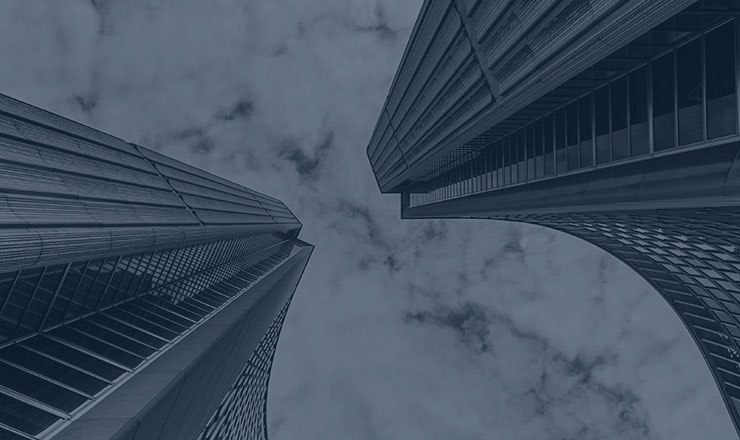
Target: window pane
[(500, 162), (539, 148), (507, 161), (514, 146), (23, 416), (521, 155), (549, 145), (560, 154), (530, 151), (663, 103), (53, 369), (572, 135), (584, 128), (720, 68), (603, 139), (40, 389), (75, 357), (690, 119), (639, 133), (620, 148)]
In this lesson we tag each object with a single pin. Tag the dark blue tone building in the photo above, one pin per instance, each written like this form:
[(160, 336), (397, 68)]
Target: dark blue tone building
[(615, 121), (140, 298)]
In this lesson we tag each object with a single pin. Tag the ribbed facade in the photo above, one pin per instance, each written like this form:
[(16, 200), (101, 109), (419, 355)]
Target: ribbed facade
[(613, 121), (134, 289)]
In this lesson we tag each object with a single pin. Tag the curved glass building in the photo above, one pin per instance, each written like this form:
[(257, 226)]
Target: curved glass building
[(140, 298), (615, 121)]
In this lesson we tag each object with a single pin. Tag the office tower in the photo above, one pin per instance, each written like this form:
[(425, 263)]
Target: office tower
[(140, 298), (613, 121)]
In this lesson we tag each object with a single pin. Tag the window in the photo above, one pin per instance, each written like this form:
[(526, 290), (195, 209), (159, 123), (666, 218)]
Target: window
[(514, 147), (690, 94), (560, 153), (521, 148), (720, 69), (603, 139), (571, 133), (663, 103), (500, 163), (620, 147), (530, 152), (584, 128), (549, 144), (539, 150), (639, 132), (507, 161)]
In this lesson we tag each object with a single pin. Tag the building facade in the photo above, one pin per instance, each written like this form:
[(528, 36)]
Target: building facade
[(615, 121), (140, 298)]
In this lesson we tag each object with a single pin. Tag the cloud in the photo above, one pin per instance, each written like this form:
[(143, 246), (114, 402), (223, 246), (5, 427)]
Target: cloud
[(400, 329)]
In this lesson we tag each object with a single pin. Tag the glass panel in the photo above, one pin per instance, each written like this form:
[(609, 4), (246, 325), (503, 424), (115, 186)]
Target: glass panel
[(720, 68), (141, 323), (571, 134), (584, 127), (39, 389), (24, 417), (549, 145), (690, 95), (539, 146), (560, 152), (639, 131), (620, 147), (153, 317), (69, 285), (507, 161), (663, 103), (53, 369), (530, 151), (130, 331), (111, 337), (522, 152), (9, 435), (603, 139), (74, 357), (514, 146), (97, 346)]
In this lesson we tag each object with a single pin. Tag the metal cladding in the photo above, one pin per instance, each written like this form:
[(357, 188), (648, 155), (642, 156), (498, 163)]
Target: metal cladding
[(471, 64), (68, 191)]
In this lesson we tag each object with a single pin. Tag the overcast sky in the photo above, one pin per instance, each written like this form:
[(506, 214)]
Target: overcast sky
[(399, 329)]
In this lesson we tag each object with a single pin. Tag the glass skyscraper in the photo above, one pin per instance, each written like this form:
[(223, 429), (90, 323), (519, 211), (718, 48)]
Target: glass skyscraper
[(614, 121), (140, 298)]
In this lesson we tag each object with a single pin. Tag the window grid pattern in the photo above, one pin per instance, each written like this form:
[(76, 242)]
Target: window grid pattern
[(35, 299), (242, 413), (692, 258), (59, 371), (616, 128)]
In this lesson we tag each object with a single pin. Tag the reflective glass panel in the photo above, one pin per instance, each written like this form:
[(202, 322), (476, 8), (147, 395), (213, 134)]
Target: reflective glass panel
[(664, 136), (690, 94), (721, 94), (620, 145), (639, 131)]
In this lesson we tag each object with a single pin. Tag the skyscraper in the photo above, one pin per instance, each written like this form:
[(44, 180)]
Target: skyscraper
[(614, 121), (140, 298)]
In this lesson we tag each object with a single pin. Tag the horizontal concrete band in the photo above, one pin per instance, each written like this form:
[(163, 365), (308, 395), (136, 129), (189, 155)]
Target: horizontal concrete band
[(174, 397), (699, 178)]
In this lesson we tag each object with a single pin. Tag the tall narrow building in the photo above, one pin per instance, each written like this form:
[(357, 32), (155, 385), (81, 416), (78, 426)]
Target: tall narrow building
[(615, 121), (140, 298)]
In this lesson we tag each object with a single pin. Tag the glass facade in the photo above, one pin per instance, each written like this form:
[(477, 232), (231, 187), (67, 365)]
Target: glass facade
[(112, 323), (118, 263), (613, 122)]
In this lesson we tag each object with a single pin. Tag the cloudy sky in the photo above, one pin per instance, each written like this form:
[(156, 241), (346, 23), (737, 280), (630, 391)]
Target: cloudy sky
[(399, 330)]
